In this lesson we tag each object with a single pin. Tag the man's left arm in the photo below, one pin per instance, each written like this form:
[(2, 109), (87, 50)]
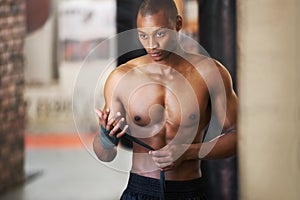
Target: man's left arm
[(225, 103)]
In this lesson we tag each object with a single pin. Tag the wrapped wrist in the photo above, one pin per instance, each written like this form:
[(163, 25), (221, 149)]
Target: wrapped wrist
[(106, 141)]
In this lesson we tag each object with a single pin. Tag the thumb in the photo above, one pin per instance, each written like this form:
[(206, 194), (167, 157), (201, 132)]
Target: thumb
[(98, 112)]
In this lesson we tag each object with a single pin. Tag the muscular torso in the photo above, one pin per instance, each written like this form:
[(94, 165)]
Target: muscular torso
[(164, 105)]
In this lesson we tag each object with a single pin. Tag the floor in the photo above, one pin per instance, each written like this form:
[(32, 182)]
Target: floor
[(69, 172)]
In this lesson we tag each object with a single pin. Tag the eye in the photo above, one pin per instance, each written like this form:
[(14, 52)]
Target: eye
[(160, 34), (143, 36)]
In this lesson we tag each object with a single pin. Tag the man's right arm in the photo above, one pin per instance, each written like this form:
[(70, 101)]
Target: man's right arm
[(110, 120), (103, 154)]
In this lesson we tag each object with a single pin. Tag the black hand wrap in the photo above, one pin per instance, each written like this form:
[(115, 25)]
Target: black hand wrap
[(106, 141)]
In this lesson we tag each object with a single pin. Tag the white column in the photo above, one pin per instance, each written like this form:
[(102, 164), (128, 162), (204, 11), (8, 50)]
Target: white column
[(269, 111)]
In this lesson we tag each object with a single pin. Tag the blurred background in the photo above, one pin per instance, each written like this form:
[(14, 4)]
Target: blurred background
[(46, 136)]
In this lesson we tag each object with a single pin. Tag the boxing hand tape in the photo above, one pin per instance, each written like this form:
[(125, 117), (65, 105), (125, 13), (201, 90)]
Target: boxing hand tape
[(106, 141)]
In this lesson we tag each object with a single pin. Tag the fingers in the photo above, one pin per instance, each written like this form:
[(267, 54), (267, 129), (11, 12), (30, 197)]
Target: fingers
[(105, 118), (114, 124), (102, 116), (98, 112), (113, 121), (123, 131), (168, 157), (162, 165), (118, 127), (162, 161), (159, 153), (162, 158)]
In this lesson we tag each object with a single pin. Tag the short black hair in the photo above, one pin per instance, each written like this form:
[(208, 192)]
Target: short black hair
[(150, 7)]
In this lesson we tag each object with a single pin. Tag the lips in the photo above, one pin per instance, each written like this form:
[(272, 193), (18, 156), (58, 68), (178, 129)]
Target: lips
[(155, 54)]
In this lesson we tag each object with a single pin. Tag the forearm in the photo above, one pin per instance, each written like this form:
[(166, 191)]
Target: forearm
[(218, 148), (103, 154)]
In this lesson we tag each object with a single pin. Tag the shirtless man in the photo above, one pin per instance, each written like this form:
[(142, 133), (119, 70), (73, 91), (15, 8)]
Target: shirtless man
[(167, 99)]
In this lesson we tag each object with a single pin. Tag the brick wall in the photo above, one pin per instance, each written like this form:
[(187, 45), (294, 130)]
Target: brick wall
[(12, 105)]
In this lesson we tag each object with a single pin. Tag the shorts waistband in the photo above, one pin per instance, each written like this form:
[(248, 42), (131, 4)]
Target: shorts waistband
[(151, 186)]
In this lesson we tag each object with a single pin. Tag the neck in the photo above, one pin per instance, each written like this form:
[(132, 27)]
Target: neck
[(172, 59), (165, 68)]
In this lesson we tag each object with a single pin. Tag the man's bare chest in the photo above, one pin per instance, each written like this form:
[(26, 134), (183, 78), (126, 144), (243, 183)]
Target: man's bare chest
[(177, 100)]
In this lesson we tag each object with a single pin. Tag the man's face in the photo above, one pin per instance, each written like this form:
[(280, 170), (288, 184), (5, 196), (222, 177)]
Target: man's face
[(157, 35)]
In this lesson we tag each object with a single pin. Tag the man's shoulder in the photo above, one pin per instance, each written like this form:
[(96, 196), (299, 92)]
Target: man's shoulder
[(205, 63), (142, 60), (208, 67), (129, 66), (212, 71), (195, 59)]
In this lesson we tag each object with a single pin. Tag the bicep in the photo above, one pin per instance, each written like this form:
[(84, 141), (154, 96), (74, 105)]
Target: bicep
[(112, 94), (225, 102), (229, 112)]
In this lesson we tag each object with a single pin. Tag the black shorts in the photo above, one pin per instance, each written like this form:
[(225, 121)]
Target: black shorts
[(145, 188)]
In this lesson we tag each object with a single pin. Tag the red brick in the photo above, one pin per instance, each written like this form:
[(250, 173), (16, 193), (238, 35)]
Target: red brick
[(12, 105)]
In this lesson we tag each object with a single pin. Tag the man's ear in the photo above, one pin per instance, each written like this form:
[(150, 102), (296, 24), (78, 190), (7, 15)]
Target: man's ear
[(178, 23)]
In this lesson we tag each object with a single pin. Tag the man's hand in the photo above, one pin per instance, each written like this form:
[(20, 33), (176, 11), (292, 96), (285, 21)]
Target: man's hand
[(114, 124), (170, 156)]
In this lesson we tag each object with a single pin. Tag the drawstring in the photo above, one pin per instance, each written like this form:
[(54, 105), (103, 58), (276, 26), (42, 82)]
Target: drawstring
[(162, 185)]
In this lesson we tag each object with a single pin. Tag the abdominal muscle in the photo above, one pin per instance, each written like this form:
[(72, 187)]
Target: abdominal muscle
[(178, 128), (187, 170), (144, 165)]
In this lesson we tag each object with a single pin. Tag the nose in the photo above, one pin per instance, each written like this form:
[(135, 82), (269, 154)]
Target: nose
[(153, 44)]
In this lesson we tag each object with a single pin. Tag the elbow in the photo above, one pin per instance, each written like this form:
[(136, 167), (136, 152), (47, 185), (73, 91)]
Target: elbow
[(106, 157), (232, 151)]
